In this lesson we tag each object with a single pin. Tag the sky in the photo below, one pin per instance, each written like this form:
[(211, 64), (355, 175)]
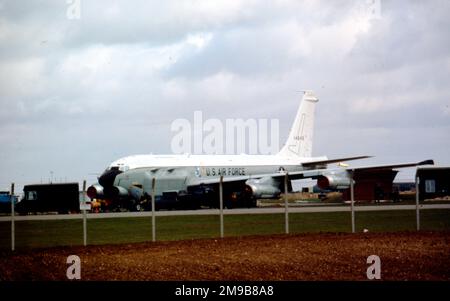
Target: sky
[(83, 83)]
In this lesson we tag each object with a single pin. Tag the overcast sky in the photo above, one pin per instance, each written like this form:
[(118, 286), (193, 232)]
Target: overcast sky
[(78, 93)]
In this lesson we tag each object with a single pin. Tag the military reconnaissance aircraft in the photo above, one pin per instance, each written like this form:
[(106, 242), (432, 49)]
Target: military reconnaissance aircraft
[(191, 181)]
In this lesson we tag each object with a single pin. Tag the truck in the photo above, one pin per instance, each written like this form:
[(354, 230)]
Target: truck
[(59, 197)]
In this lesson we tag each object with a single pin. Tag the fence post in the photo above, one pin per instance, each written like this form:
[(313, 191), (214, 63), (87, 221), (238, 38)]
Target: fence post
[(153, 210), (352, 200), (13, 229), (286, 207), (417, 205), (221, 206), (84, 215)]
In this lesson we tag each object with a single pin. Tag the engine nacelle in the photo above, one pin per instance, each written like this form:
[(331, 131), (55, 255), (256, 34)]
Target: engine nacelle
[(95, 192), (264, 188), (137, 193), (116, 192), (334, 180)]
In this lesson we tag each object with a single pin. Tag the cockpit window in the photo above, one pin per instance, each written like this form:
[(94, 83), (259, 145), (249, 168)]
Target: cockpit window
[(124, 168), (119, 166)]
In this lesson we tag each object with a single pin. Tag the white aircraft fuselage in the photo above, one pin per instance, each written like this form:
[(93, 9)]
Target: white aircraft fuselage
[(194, 179)]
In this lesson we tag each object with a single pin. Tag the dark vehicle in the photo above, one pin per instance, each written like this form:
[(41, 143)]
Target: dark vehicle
[(61, 198)]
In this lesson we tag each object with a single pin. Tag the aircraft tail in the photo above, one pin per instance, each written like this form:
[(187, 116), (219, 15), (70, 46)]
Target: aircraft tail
[(300, 140)]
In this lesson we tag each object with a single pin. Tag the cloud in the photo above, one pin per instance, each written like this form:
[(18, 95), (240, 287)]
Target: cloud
[(409, 32), (110, 83)]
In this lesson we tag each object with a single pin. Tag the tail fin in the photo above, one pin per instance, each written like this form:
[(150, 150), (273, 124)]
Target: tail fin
[(299, 142)]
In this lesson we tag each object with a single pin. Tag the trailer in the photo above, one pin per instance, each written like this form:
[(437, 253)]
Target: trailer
[(60, 197)]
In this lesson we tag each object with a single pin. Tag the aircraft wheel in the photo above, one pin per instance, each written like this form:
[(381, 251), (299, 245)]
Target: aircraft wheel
[(138, 207)]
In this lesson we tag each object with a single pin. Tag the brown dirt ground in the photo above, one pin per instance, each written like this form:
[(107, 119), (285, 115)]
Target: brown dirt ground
[(404, 256)]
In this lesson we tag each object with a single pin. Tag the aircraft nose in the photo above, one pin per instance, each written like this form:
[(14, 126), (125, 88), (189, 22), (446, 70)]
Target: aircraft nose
[(108, 177)]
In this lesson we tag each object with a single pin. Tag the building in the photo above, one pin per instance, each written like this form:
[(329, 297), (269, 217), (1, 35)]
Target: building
[(434, 182), (373, 186)]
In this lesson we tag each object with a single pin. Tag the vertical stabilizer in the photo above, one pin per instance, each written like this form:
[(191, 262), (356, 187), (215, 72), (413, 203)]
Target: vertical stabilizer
[(300, 140)]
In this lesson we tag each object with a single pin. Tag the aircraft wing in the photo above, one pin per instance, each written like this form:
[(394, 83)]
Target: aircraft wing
[(392, 166), (324, 162), (215, 180), (314, 173)]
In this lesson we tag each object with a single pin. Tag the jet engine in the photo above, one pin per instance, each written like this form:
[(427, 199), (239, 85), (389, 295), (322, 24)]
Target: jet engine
[(334, 180), (116, 192), (95, 192), (137, 193), (263, 188)]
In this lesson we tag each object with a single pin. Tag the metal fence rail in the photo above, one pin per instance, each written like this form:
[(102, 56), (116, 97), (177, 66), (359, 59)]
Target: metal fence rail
[(280, 210)]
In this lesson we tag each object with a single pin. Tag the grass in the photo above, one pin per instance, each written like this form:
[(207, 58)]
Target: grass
[(37, 234)]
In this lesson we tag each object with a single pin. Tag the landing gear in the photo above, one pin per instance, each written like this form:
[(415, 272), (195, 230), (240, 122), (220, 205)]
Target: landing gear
[(138, 207), (239, 200)]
